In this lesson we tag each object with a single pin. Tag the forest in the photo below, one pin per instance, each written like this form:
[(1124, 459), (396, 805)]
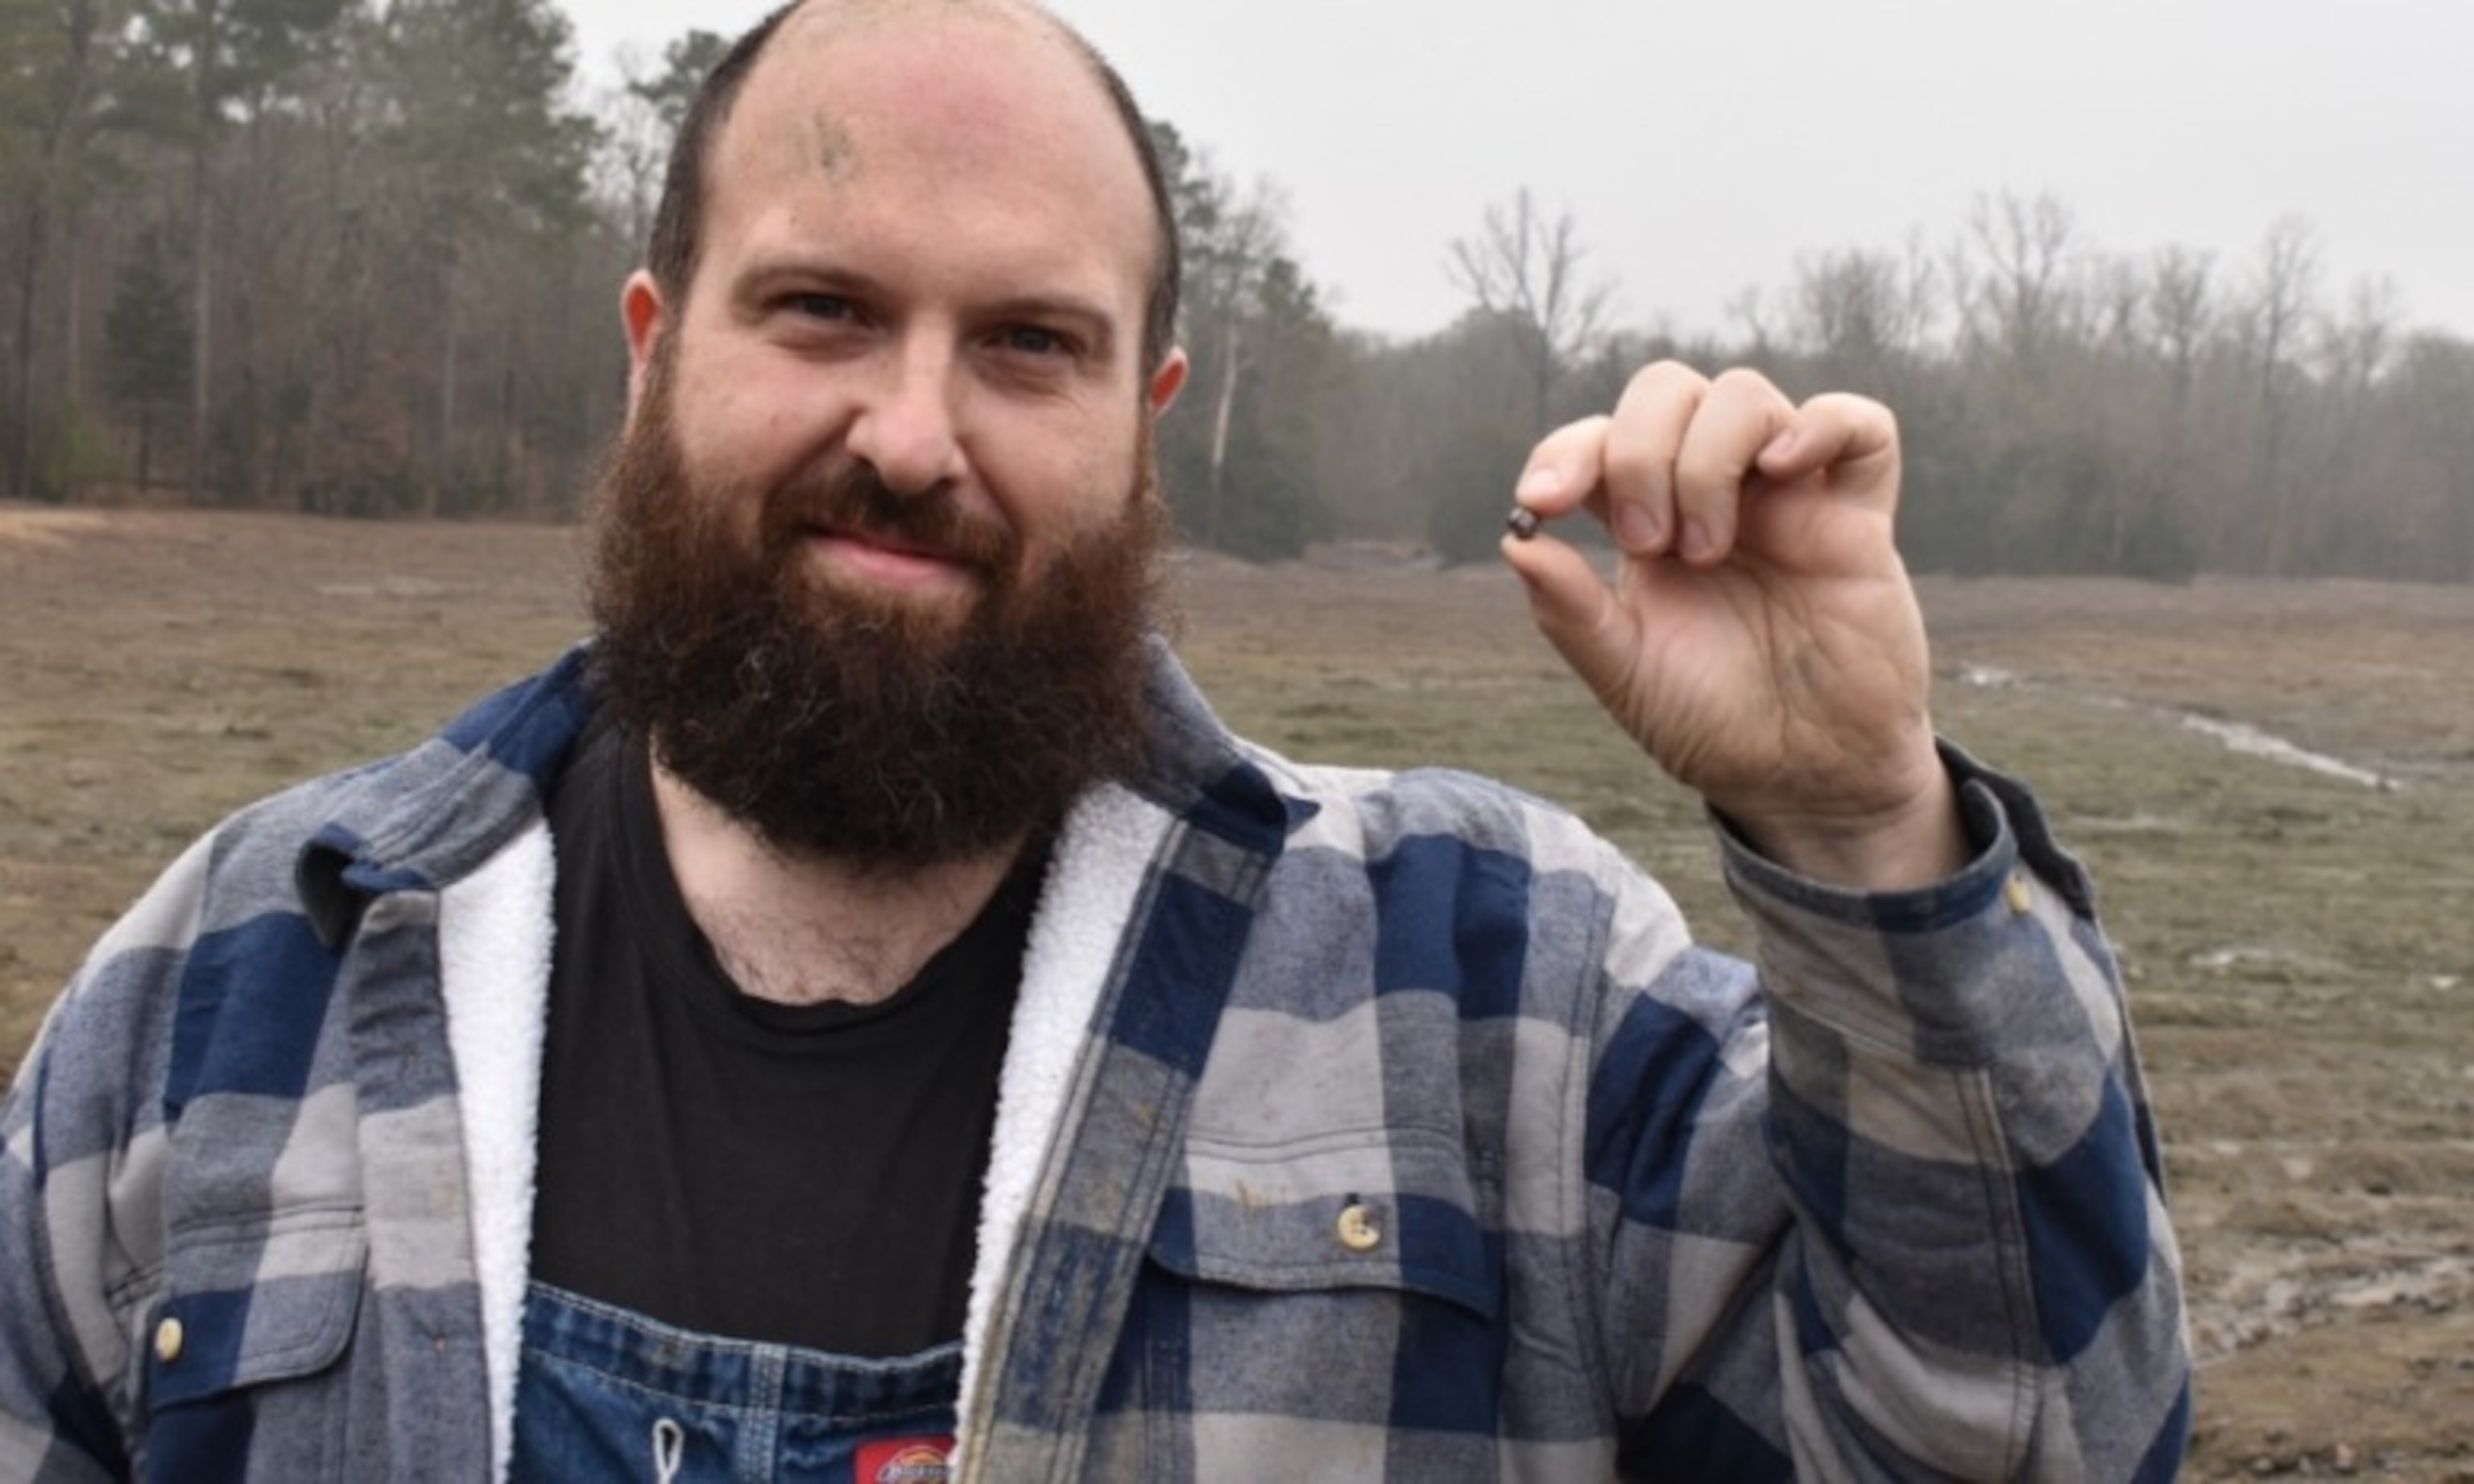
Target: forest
[(361, 257)]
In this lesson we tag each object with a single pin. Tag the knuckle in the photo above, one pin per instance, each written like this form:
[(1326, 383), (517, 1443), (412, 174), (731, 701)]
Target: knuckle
[(1739, 380), (1666, 375)]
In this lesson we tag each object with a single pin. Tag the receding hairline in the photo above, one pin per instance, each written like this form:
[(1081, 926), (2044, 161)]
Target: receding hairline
[(826, 22), (865, 13)]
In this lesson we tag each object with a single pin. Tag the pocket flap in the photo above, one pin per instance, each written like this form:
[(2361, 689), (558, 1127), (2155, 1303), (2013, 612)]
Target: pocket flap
[(243, 1308), (1381, 1209)]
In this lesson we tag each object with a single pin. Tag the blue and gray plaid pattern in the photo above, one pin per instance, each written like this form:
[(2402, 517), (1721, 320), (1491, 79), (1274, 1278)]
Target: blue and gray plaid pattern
[(1413, 1140)]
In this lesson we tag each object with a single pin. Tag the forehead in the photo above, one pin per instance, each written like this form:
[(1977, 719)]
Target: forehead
[(962, 117)]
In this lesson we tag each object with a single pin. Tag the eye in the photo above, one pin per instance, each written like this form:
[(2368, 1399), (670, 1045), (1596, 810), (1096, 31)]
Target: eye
[(1035, 340), (828, 308)]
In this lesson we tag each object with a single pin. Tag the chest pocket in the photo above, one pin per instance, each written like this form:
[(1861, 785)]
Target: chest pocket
[(1344, 1276), (245, 1309)]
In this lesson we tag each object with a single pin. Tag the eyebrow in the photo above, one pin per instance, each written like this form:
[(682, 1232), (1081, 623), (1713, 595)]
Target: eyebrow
[(757, 279)]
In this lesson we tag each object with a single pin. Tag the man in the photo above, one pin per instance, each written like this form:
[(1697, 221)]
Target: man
[(932, 1023)]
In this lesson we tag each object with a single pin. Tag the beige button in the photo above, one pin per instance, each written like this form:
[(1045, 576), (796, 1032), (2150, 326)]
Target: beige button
[(2015, 891), (1358, 1229), (168, 1336)]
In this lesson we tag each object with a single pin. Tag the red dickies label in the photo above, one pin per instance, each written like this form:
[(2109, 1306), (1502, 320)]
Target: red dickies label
[(903, 1461)]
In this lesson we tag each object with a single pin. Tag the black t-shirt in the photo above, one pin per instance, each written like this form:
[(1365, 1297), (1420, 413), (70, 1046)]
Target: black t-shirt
[(804, 1175)]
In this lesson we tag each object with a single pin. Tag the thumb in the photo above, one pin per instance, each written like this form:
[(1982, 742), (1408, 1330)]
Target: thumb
[(1573, 607)]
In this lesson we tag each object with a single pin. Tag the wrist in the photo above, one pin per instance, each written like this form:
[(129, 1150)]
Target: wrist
[(1915, 844)]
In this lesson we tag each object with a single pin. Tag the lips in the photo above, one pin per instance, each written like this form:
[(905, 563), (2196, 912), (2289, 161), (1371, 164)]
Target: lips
[(883, 541), (890, 558)]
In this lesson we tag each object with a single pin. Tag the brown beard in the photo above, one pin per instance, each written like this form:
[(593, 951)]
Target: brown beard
[(885, 734)]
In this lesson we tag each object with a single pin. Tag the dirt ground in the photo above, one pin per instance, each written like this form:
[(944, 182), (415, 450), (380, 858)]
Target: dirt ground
[(2275, 784)]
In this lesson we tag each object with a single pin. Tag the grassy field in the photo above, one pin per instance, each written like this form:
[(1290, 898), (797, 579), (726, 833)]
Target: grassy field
[(2298, 928)]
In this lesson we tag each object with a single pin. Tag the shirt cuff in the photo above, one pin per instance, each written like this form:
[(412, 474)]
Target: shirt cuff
[(2006, 829)]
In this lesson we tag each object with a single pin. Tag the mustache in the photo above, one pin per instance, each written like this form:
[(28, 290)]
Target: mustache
[(855, 500)]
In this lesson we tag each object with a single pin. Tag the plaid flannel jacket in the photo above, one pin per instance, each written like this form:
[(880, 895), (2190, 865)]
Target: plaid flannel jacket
[(1397, 1132)]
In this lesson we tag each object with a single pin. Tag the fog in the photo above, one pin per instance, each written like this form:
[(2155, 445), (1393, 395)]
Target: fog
[(1702, 149)]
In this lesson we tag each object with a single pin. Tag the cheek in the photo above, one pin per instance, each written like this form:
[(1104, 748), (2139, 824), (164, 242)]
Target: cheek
[(1071, 483), (744, 424)]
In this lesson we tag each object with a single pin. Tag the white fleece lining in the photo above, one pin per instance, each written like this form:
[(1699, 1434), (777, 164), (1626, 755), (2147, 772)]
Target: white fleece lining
[(1103, 858), (494, 945)]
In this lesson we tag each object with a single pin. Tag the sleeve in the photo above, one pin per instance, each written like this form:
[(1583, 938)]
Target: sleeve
[(56, 1422), (1892, 1205), (81, 1152)]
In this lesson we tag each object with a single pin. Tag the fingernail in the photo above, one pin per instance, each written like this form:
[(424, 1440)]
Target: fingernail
[(1778, 447), (1545, 479), (1697, 541), (1637, 529)]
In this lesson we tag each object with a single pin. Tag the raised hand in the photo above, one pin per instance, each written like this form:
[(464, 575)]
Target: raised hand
[(1760, 639)]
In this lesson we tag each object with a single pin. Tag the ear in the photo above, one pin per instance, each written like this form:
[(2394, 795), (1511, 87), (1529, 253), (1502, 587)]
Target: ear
[(644, 317), (1166, 380)]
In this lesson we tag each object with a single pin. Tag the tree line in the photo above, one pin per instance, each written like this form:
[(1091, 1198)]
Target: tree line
[(2066, 408), (356, 256), (360, 258)]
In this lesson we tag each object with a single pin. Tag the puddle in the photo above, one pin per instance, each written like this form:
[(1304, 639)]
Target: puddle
[(2266, 1295), (2283, 964), (2251, 741), (2237, 736)]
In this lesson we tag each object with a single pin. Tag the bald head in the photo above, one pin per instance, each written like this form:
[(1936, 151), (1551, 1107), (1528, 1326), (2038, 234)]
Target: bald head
[(676, 247)]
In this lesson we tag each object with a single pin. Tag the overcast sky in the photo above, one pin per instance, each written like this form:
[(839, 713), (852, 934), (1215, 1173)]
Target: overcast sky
[(1702, 147)]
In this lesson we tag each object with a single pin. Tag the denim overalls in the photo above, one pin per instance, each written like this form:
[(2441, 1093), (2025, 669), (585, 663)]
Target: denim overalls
[(604, 1393)]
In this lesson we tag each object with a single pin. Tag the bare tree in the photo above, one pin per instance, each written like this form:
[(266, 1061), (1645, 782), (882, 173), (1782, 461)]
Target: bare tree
[(1526, 270), (1750, 310), (1864, 314), (2433, 427), (2176, 313), (2280, 306), (639, 120), (2356, 352), (1233, 267), (1238, 272), (69, 90), (1240, 459), (2025, 249), (2181, 303)]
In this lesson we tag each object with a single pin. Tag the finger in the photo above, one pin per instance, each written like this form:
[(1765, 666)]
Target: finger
[(1562, 469), (1853, 437), (1640, 462), (1576, 611), (1742, 414)]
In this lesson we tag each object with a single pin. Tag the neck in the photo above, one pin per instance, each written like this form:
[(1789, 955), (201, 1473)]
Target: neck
[(798, 929)]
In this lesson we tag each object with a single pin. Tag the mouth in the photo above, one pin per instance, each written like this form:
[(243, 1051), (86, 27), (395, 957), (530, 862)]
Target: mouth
[(885, 559)]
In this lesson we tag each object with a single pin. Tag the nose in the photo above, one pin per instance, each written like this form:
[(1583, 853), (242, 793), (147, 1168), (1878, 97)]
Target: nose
[(905, 428)]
